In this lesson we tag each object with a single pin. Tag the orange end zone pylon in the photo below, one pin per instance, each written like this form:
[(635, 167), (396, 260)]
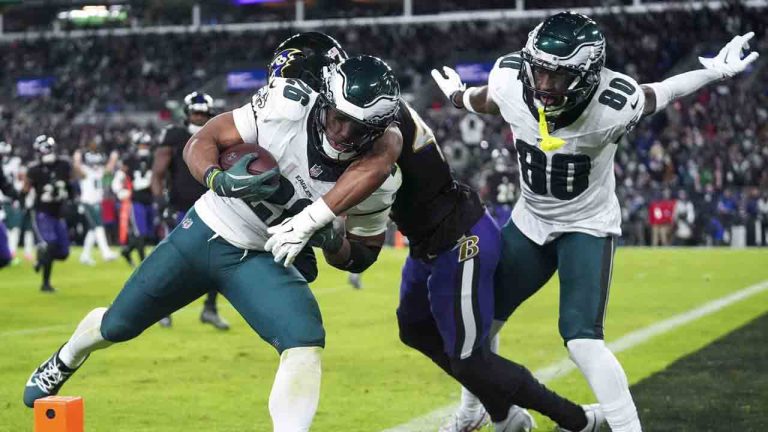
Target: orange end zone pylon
[(59, 414)]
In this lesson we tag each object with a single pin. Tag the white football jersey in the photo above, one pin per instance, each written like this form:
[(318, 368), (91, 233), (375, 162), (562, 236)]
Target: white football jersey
[(91, 187), (571, 188), (278, 119), (11, 170)]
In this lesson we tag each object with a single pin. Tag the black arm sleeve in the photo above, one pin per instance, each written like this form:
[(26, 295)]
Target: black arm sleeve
[(360, 257)]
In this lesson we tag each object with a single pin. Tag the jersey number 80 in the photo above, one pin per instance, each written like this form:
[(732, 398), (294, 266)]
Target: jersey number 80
[(569, 174)]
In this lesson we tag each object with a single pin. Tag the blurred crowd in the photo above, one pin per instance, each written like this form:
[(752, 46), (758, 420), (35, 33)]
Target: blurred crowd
[(689, 175)]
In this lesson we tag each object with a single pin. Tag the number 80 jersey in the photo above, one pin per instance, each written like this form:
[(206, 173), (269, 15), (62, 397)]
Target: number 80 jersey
[(571, 188)]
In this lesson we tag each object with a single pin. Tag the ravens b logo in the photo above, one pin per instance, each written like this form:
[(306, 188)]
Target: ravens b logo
[(283, 61)]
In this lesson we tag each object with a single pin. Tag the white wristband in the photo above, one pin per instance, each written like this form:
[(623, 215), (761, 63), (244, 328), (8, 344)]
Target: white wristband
[(465, 100), (320, 213)]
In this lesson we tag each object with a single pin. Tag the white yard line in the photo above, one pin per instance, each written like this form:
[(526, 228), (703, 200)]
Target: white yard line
[(429, 421), (20, 332)]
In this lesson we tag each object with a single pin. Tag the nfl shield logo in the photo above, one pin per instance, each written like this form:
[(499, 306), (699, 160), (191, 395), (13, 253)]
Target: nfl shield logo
[(186, 223), (315, 171)]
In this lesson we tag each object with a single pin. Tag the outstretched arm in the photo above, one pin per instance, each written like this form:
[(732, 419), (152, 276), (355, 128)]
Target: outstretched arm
[(474, 99), (726, 64)]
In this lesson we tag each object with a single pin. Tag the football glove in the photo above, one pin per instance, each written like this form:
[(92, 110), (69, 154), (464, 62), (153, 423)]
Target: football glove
[(289, 238), (449, 82), (237, 182), (327, 239), (728, 61)]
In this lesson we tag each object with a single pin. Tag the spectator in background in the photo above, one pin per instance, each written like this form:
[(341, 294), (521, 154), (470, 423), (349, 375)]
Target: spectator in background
[(660, 216), (472, 127), (726, 213), (635, 219), (762, 218), (684, 218)]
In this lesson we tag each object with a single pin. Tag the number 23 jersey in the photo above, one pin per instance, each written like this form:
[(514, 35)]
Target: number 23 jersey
[(280, 119), (571, 188)]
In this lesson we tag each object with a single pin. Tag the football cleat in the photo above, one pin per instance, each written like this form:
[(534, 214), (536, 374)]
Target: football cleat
[(110, 257), (165, 322), (46, 380), (595, 419), (47, 288), (127, 255), (86, 260), (356, 280), (518, 420), (466, 421), (210, 316)]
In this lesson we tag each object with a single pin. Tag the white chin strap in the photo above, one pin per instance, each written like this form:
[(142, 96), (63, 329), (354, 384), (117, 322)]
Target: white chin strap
[(335, 154), (192, 129), (48, 158)]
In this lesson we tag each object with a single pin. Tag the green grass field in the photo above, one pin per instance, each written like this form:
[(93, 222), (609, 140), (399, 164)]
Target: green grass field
[(195, 378)]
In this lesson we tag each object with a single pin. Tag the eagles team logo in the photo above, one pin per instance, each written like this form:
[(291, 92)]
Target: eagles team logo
[(469, 247), (186, 223)]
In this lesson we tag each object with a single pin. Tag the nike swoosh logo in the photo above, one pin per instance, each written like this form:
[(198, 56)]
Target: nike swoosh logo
[(30, 382), (635, 104), (234, 189)]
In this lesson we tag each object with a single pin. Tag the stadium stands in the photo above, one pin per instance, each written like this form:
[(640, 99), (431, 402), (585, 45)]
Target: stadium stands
[(714, 145)]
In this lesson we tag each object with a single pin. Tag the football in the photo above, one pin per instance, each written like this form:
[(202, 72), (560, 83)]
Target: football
[(264, 160)]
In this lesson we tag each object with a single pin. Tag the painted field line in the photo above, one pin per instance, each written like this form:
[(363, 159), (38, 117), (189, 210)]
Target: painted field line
[(21, 332), (429, 421)]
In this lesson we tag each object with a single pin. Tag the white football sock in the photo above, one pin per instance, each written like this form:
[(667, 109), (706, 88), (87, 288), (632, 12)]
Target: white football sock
[(101, 240), (86, 339), (88, 245), (29, 243), (608, 382), (470, 402), (296, 390), (13, 239)]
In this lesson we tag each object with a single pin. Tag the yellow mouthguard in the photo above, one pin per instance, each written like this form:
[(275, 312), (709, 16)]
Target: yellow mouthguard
[(548, 143)]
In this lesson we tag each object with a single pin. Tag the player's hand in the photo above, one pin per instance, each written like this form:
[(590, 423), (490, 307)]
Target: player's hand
[(728, 62), (237, 182), (289, 238), (449, 82), (327, 239)]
